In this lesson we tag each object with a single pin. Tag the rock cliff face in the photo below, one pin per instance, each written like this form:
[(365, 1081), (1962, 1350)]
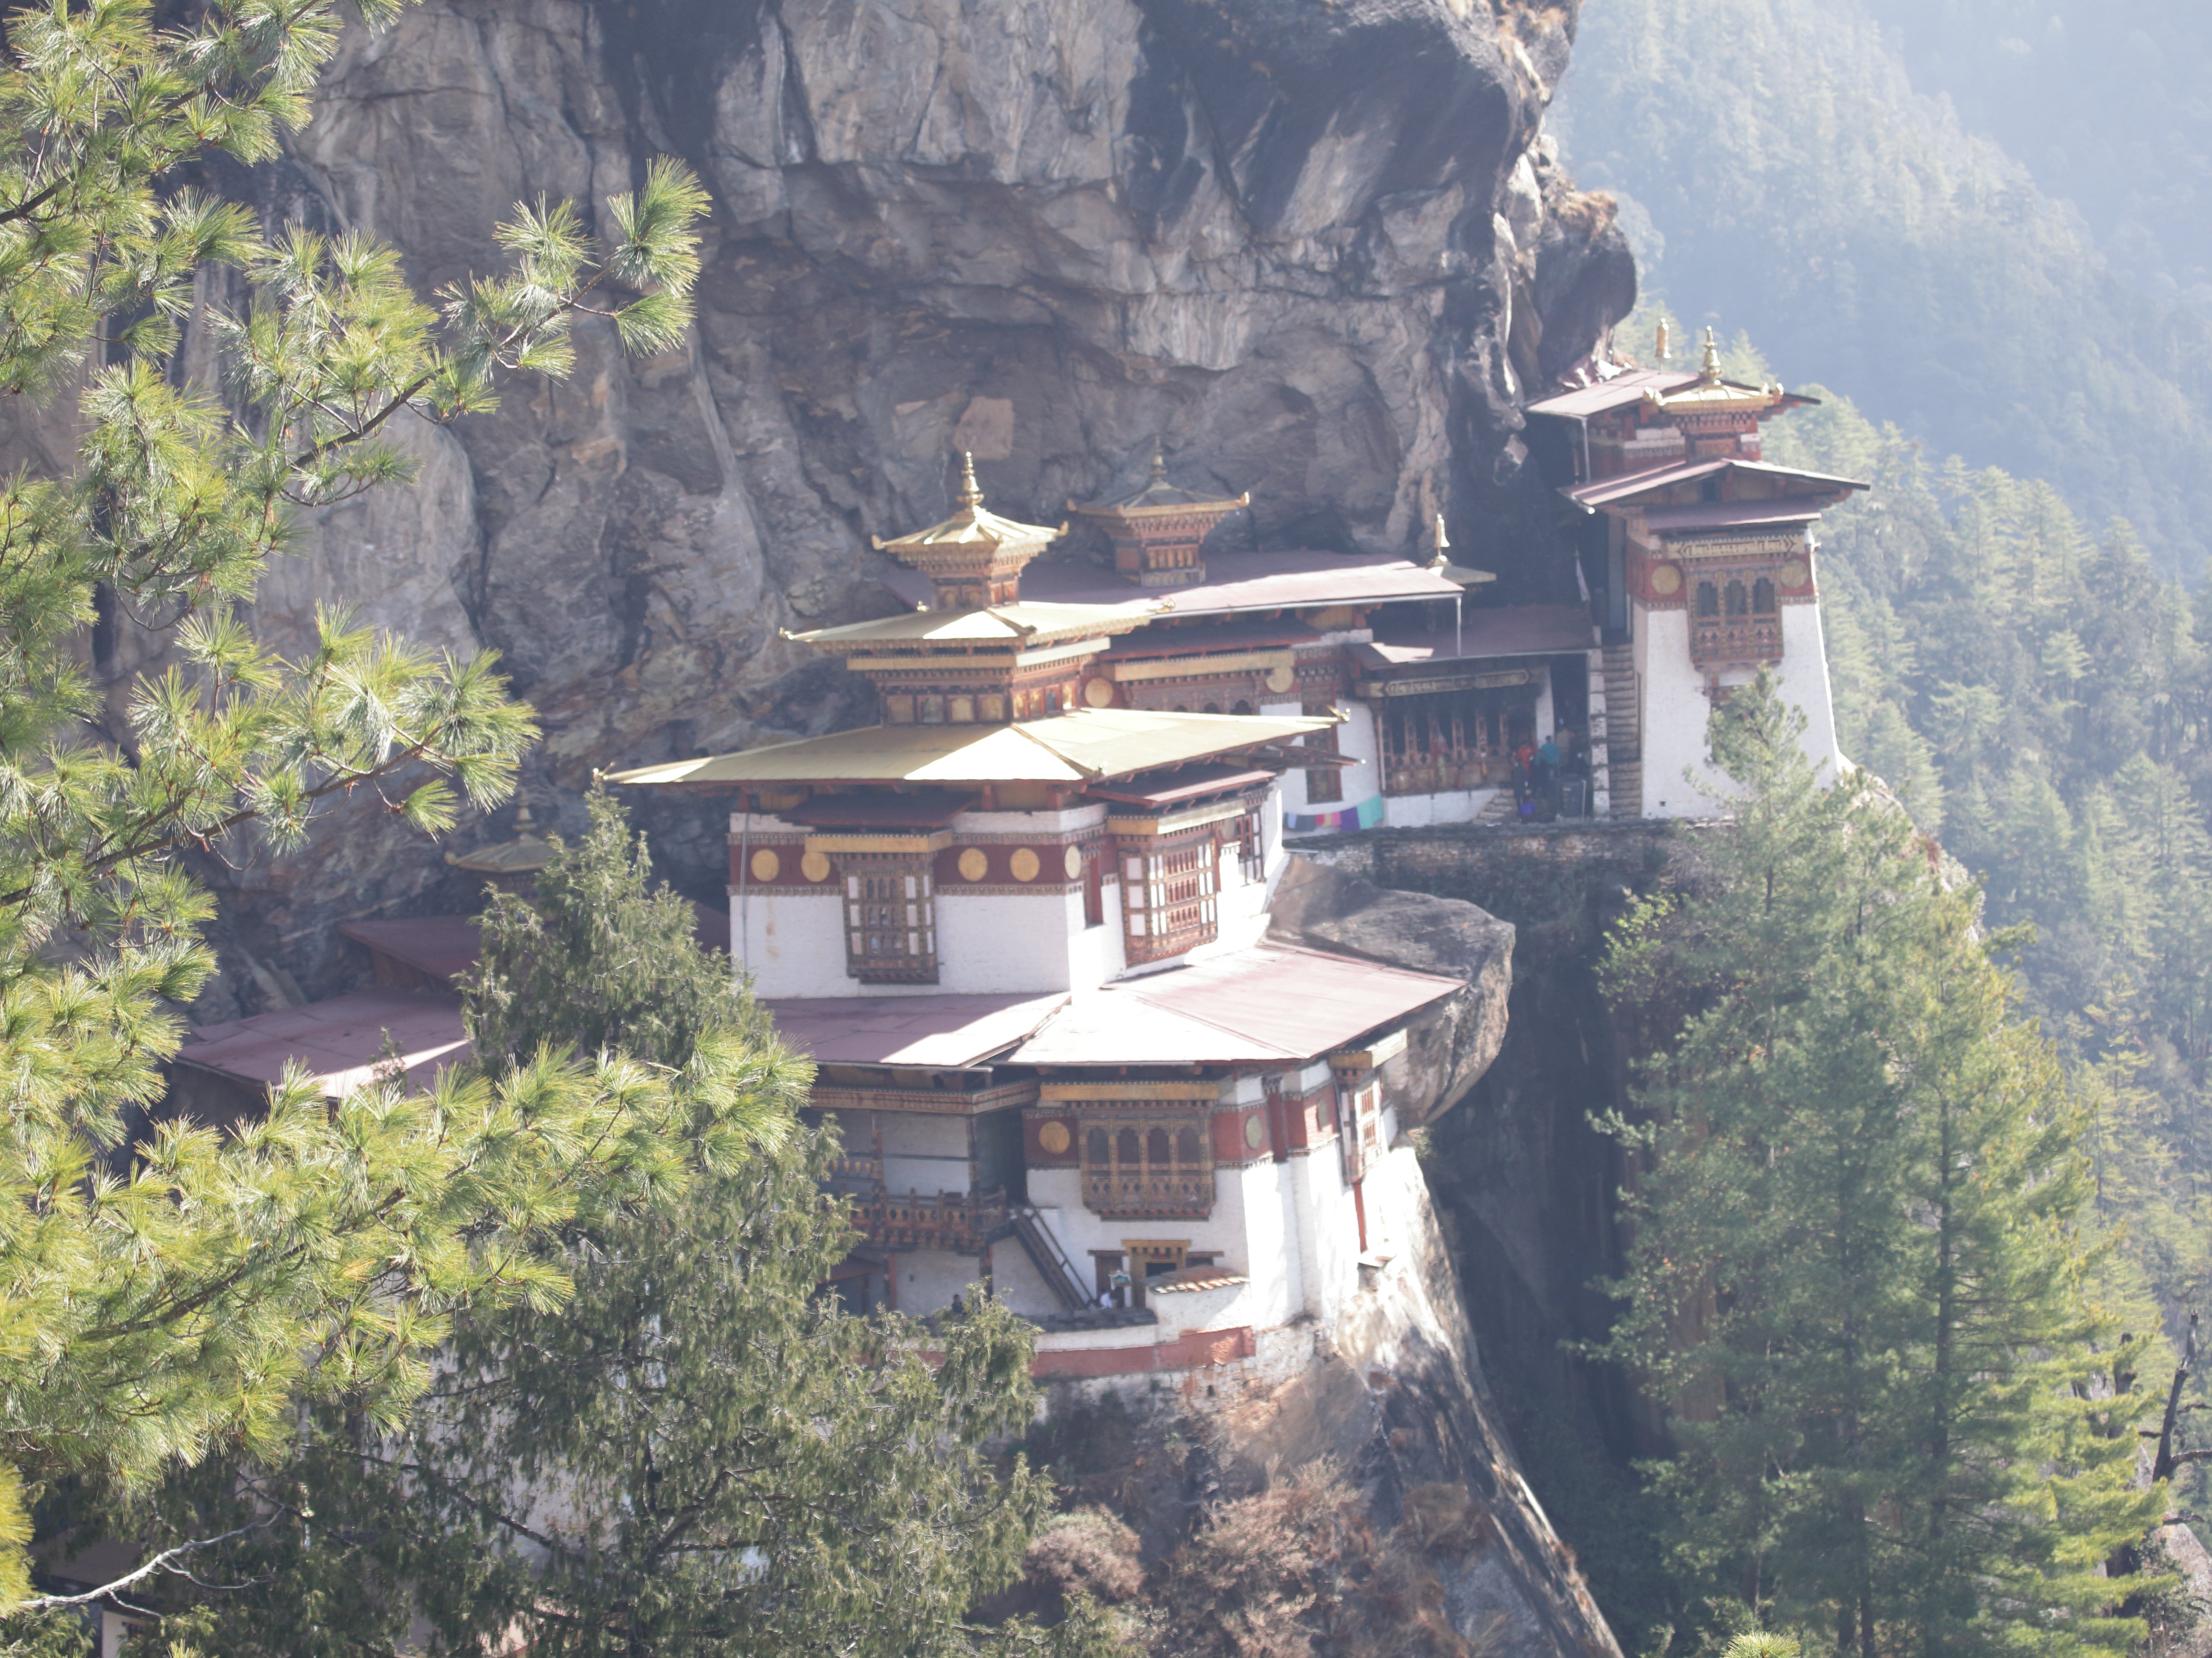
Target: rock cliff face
[(1320, 250)]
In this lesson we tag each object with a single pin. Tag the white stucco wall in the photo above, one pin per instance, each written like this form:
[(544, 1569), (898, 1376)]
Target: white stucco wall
[(1448, 807), (922, 1154), (1355, 737), (792, 943), (1057, 1193), (1676, 710), (929, 1278), (1016, 1281), (990, 942)]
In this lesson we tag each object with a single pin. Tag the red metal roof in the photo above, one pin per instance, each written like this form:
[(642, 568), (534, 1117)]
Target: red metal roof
[(1165, 789), (1625, 388), (1511, 630), (1240, 634), (442, 946), (1263, 1005), (947, 1031), (1235, 582), (340, 1041), (1606, 491)]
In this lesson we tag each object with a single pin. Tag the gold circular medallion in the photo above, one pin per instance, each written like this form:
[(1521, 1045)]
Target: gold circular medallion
[(1052, 1137), (815, 867), (1098, 693), (1071, 862), (1795, 574), (1024, 864), (1280, 676), (1254, 1132), (974, 866), (1666, 580), (766, 866)]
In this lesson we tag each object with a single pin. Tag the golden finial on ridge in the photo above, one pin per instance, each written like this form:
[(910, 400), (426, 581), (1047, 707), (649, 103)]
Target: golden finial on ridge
[(1712, 365), (971, 493), (1660, 343)]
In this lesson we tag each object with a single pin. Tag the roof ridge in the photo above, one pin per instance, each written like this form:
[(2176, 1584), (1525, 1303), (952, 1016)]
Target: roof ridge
[(1064, 757)]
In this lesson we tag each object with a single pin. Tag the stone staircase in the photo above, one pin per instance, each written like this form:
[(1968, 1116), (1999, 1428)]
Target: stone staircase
[(1500, 809), (1623, 733)]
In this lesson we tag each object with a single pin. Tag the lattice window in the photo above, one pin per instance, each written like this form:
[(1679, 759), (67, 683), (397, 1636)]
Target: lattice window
[(1169, 894), (1361, 1110), (1452, 740), (1323, 783), (890, 921), (1737, 623), (1251, 859), (1143, 1164)]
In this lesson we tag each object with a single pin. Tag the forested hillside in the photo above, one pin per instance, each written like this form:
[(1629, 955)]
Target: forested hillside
[(1784, 175), (2108, 104), (2038, 695)]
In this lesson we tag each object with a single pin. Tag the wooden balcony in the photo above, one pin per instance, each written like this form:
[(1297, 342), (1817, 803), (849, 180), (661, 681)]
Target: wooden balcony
[(963, 1221), (1735, 640), (1180, 1195)]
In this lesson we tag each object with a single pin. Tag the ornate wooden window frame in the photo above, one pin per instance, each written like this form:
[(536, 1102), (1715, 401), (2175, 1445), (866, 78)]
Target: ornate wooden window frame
[(890, 918), (1121, 1186), (1323, 783), (1170, 892)]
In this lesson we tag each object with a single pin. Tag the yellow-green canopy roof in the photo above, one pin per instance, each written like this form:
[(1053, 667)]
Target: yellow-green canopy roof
[(1011, 626), (1068, 748)]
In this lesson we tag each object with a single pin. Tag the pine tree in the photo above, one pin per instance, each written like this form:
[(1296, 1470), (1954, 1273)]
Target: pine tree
[(596, 957), (1862, 1275), (197, 1291)]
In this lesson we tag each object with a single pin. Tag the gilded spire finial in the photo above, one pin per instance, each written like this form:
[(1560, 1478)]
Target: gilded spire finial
[(523, 821), (971, 493), (1712, 365), (1659, 343), (1444, 545), (1159, 460)]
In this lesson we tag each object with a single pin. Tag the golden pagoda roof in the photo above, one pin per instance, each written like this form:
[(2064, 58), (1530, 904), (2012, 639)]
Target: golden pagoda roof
[(1711, 394), (1160, 499), (525, 855), (1073, 748), (1015, 626), (973, 526)]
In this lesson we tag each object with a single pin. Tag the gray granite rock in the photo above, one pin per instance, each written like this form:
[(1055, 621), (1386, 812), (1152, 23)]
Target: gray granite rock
[(1292, 240), (1448, 1050)]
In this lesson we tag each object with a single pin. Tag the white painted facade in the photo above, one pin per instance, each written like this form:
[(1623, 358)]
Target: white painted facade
[(791, 940), (1355, 737), (1679, 778), (1291, 1229)]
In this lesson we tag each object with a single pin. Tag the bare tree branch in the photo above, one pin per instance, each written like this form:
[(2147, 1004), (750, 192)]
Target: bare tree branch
[(159, 1562)]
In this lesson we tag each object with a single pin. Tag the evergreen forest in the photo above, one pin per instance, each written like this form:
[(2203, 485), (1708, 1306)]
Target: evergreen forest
[(1981, 218), (1976, 218)]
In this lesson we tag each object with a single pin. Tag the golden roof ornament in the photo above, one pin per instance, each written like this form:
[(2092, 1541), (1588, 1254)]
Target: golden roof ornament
[(524, 855), (974, 558), (1713, 393), (1156, 532), (1443, 565), (1659, 343)]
